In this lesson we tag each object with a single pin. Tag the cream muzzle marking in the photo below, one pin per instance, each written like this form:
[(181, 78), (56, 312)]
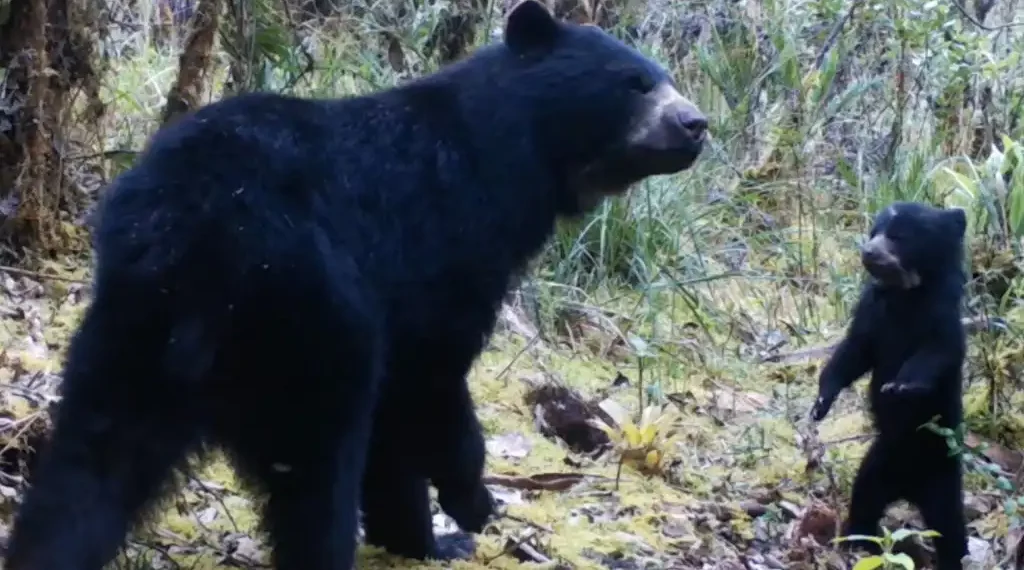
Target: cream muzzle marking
[(879, 258), (666, 101)]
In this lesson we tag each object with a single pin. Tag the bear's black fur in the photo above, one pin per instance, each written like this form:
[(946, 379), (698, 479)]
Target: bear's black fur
[(907, 331), (305, 283)]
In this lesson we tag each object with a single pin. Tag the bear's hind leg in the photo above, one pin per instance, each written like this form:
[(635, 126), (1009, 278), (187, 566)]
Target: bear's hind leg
[(941, 503), (875, 487), (121, 429), (308, 464), (311, 504), (298, 402)]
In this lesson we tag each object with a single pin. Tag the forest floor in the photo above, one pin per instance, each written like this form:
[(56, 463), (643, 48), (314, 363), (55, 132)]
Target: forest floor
[(742, 481)]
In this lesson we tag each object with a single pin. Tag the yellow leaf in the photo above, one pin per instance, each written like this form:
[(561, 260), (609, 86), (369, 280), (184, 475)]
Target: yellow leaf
[(632, 434), (869, 563), (648, 434), (653, 458)]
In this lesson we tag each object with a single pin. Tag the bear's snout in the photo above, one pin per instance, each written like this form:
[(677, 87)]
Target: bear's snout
[(878, 251), (693, 123), (671, 132)]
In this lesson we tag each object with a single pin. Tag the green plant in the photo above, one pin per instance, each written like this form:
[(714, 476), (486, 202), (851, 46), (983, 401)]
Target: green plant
[(1013, 499), (887, 559), (992, 192)]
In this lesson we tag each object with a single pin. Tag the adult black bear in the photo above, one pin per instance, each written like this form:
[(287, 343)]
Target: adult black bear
[(907, 331), (306, 284)]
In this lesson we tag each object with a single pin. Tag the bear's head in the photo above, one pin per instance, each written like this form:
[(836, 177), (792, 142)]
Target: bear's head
[(603, 115), (911, 244)]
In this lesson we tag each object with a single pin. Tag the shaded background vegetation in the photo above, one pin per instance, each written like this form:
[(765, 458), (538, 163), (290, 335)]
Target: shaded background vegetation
[(737, 274)]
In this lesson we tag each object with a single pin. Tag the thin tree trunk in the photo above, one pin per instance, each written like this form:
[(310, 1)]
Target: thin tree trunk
[(194, 63)]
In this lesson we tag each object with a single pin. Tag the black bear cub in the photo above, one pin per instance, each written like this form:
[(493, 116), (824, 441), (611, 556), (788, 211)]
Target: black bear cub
[(306, 283), (907, 331)]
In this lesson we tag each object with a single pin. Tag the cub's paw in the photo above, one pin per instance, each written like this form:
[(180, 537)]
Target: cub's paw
[(821, 407), (900, 389), (455, 546), (471, 510)]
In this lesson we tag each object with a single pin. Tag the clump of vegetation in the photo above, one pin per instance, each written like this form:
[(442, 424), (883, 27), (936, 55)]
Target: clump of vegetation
[(641, 446)]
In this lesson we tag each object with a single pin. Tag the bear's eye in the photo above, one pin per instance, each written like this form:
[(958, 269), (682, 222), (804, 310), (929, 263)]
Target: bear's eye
[(640, 83), (894, 235)]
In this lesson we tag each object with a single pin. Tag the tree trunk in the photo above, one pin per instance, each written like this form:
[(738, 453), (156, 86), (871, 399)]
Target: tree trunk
[(456, 31), (194, 63), (45, 57)]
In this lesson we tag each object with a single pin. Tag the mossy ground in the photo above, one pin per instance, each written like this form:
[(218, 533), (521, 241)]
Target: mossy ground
[(738, 439)]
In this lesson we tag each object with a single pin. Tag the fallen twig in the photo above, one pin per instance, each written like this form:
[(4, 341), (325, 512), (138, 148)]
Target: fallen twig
[(37, 275), (971, 325)]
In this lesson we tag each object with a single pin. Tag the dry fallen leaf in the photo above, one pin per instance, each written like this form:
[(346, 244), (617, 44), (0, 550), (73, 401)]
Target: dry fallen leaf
[(510, 446), (735, 402), (1011, 461), (247, 551), (819, 522)]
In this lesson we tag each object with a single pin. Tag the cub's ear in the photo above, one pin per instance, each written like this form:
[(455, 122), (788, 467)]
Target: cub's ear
[(530, 28), (958, 220)]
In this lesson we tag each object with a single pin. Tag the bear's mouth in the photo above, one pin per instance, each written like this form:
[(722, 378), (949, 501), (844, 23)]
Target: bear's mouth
[(601, 179), (879, 258), (656, 161), (892, 275), (618, 169)]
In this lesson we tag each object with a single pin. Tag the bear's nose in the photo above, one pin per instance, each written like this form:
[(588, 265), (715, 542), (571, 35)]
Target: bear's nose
[(871, 255), (696, 125)]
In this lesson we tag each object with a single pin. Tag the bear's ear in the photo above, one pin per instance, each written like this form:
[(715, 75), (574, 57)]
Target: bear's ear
[(958, 219), (530, 27)]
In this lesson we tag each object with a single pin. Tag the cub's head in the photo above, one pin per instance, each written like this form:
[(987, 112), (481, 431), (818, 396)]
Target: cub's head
[(604, 115), (913, 243)]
